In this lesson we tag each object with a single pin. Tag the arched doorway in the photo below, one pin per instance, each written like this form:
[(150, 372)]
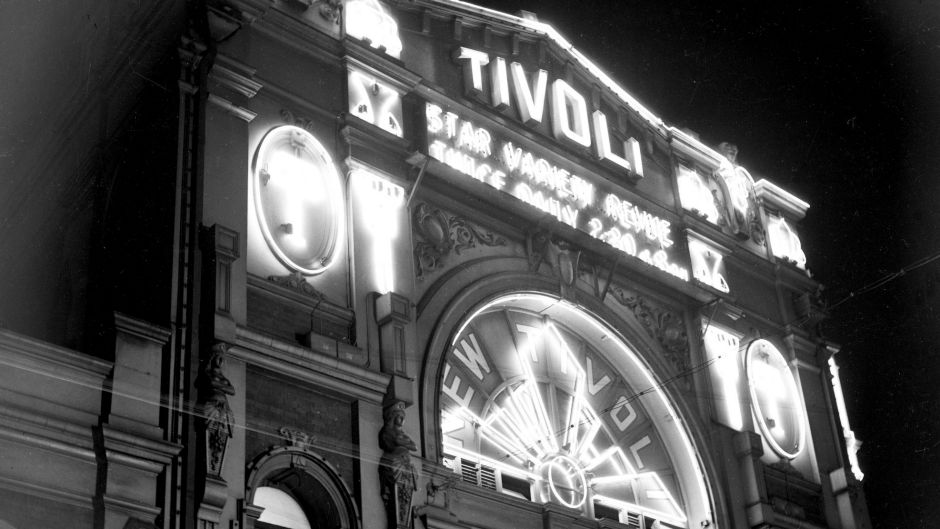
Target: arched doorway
[(299, 490)]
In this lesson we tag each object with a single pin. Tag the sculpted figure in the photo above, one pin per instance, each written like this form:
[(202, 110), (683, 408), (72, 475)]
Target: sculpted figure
[(214, 390), (396, 473)]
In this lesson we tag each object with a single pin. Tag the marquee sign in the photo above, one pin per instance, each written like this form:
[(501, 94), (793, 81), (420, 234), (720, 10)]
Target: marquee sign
[(571, 120), (573, 200)]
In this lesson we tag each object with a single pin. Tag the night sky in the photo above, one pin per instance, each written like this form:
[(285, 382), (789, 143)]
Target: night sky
[(839, 103)]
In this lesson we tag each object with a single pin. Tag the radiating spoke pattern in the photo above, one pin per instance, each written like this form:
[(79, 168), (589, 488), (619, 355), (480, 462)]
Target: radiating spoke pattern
[(534, 421)]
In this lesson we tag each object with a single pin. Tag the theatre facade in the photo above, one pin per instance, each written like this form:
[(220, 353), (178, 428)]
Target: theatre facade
[(425, 264)]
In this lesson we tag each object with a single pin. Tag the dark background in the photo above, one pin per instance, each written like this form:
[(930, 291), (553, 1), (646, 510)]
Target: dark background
[(838, 103)]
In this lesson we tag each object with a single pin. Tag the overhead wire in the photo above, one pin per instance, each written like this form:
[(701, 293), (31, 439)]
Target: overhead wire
[(878, 283)]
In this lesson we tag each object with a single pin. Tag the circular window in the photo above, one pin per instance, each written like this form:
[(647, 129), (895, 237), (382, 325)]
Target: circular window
[(775, 399), (298, 198)]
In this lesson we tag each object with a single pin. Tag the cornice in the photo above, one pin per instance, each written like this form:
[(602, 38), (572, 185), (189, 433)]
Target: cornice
[(27, 353), (300, 363)]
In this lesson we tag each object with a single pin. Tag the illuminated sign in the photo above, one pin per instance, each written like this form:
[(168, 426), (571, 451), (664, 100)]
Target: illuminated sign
[(571, 199), (370, 21), (851, 443), (721, 348), (775, 399), (374, 102), (381, 207), (708, 265), (697, 196), (784, 242), (571, 120), (533, 406), (298, 198)]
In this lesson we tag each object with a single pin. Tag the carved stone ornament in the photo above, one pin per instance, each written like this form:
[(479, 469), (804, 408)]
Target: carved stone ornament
[(296, 281), (331, 10), (444, 489), (785, 466), (748, 223), (666, 327), (437, 235), (396, 472), (294, 438), (214, 390), (298, 121), (558, 254)]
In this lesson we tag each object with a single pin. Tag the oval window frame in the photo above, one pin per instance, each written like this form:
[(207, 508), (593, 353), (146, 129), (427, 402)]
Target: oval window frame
[(754, 386), (316, 153)]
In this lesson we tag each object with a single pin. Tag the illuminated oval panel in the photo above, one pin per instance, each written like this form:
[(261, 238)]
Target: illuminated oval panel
[(540, 401), (775, 399), (298, 199)]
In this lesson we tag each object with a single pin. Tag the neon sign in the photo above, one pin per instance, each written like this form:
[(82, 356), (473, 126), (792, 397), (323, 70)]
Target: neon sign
[(374, 102), (382, 201), (370, 21), (851, 443), (696, 195), (775, 399), (531, 400), (708, 265), (298, 198), (784, 242), (571, 120), (570, 198), (722, 350)]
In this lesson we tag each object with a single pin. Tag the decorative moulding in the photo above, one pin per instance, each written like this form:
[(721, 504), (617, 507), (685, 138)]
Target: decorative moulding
[(666, 327), (241, 113), (141, 328), (230, 78), (305, 364), (777, 198), (23, 352), (438, 234)]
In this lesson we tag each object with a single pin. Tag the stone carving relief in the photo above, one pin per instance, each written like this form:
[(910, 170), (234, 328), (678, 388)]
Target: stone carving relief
[(294, 438), (396, 472), (666, 327), (214, 391), (564, 261), (331, 10), (744, 208), (296, 281), (291, 119), (437, 234), (439, 493)]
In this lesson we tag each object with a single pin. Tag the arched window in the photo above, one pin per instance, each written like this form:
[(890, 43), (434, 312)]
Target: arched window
[(280, 509), (541, 400), (298, 489)]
